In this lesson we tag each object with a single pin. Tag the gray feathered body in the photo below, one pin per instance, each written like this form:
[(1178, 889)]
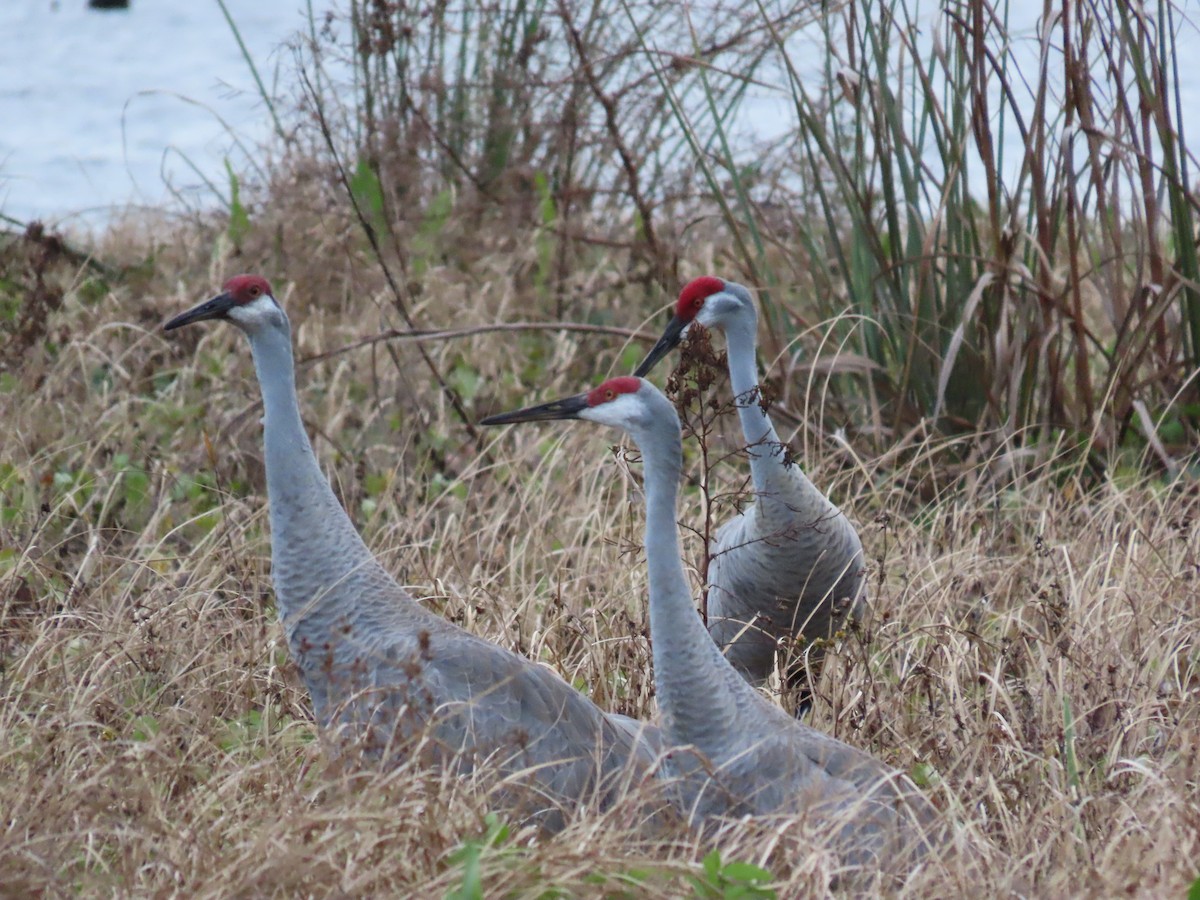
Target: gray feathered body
[(791, 565), (779, 766), (391, 671)]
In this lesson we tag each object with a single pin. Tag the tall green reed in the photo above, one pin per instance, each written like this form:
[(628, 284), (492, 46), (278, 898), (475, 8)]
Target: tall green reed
[(1033, 297)]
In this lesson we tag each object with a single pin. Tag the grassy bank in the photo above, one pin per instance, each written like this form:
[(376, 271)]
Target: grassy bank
[(1032, 655)]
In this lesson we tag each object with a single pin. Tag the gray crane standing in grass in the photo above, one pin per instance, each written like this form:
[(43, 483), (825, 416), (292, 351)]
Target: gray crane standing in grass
[(791, 564), (748, 756), (378, 663)]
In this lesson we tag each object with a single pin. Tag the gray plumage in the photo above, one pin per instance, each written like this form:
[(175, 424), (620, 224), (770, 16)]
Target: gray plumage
[(383, 668), (735, 752), (791, 564)]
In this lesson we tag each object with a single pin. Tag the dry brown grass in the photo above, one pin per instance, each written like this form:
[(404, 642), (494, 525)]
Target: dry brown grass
[(1034, 643)]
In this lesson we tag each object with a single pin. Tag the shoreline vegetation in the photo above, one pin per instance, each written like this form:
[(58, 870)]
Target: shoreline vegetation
[(473, 207)]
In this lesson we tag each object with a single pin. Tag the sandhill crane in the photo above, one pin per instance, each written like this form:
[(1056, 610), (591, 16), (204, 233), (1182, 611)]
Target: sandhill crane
[(790, 564), (378, 664), (749, 755)]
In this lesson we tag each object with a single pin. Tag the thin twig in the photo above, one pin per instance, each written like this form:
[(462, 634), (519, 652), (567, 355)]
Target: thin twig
[(364, 222), (449, 334), (612, 124)]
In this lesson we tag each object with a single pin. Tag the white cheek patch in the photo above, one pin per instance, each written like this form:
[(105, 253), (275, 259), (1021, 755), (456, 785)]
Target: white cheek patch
[(618, 412), (713, 311), (258, 311)]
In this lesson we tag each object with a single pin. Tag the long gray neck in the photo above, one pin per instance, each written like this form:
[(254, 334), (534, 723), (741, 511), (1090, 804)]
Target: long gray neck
[(764, 446), (699, 693), (314, 546)]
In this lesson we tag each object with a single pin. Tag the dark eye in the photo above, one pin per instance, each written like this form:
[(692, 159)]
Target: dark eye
[(697, 303), (609, 394), (255, 290)]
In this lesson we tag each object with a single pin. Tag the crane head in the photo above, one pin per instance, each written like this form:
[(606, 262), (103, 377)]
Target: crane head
[(245, 300), (608, 403), (707, 301), (632, 404)]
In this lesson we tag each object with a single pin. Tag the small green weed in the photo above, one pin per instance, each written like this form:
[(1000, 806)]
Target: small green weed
[(731, 880)]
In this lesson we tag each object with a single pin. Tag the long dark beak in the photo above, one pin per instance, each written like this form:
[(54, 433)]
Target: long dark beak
[(216, 308), (669, 341), (567, 408)]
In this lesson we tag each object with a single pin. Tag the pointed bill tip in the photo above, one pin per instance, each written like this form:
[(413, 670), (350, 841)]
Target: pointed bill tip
[(669, 341), (216, 308)]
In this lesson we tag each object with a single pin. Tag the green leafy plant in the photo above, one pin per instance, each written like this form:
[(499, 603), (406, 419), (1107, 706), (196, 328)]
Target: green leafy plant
[(469, 857), (368, 195), (239, 219), (731, 880)]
